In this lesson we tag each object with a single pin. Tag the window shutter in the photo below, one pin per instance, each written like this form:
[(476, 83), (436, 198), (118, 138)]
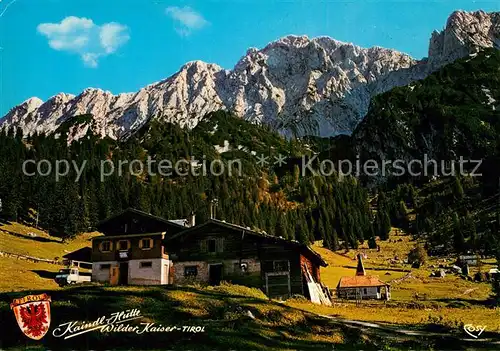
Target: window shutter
[(101, 246), (220, 244), (140, 243), (151, 243), (203, 245)]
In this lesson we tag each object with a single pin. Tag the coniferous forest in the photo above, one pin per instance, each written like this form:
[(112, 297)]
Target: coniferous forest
[(279, 201)]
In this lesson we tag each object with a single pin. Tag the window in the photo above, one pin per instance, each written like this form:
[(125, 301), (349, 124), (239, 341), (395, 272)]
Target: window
[(212, 245), (146, 264), (105, 266), (146, 244), (190, 271), (105, 246), (365, 291), (281, 266), (123, 245)]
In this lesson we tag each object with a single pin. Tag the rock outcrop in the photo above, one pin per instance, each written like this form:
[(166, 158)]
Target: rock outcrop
[(465, 33)]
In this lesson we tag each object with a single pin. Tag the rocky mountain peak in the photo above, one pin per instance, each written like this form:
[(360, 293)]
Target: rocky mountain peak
[(95, 91), (61, 97), (33, 102), (465, 32), (296, 41), (296, 84), (200, 66), (458, 17)]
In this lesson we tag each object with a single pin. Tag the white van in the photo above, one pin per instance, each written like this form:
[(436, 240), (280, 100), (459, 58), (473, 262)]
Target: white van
[(69, 276)]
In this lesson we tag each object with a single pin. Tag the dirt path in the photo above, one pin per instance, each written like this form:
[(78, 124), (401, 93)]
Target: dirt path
[(468, 291), (402, 279), (28, 258), (398, 332)]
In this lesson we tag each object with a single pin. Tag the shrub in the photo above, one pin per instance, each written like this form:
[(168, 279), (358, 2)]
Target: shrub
[(231, 289), (299, 298), (417, 255)]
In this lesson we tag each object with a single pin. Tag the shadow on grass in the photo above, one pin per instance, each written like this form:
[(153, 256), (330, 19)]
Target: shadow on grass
[(464, 303), (45, 274), (227, 324)]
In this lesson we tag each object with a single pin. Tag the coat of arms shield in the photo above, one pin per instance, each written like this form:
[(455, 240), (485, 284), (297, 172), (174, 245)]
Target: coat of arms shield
[(33, 315)]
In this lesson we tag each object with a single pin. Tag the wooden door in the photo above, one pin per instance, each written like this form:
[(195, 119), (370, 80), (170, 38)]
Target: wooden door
[(114, 273), (215, 272)]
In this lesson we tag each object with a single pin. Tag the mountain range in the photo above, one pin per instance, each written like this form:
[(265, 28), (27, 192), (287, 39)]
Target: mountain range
[(296, 85)]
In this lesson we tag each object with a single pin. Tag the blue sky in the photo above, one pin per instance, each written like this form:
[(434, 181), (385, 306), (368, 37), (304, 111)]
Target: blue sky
[(51, 46)]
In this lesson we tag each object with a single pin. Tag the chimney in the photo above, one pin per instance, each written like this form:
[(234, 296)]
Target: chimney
[(191, 220), (213, 208), (360, 269)]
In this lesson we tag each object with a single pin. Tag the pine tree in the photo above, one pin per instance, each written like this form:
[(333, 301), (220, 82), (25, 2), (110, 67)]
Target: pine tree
[(335, 240), (458, 236), (322, 234), (372, 244), (458, 190), (302, 234), (384, 224)]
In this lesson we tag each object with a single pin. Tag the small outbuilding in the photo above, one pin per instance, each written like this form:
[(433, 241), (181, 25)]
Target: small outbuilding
[(363, 286), (81, 258)]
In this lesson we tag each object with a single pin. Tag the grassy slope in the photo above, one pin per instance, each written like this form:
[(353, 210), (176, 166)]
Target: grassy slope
[(451, 287), (341, 264), (41, 246), (17, 274), (222, 310), (416, 300)]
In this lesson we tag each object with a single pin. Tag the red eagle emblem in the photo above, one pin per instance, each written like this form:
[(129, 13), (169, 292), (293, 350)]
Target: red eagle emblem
[(33, 315)]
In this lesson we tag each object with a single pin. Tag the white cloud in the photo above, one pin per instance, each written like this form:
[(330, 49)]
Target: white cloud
[(90, 60), (187, 19), (85, 38), (113, 35)]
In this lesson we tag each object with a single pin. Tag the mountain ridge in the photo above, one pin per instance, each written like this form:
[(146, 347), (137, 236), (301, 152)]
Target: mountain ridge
[(298, 85)]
